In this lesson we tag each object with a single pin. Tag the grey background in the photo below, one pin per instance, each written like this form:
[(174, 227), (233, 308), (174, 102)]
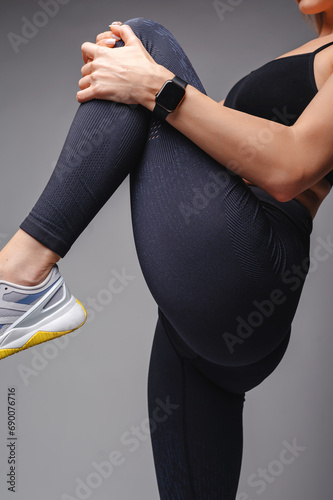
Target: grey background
[(76, 402)]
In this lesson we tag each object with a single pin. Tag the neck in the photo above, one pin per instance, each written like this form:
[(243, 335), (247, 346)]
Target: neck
[(327, 27)]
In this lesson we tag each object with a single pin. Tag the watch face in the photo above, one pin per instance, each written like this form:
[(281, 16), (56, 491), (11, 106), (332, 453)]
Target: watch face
[(170, 96)]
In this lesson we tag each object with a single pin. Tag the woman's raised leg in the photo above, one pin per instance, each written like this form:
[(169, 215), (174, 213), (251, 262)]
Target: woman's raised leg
[(207, 246)]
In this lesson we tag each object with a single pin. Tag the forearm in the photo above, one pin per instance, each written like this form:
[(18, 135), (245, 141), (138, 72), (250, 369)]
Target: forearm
[(256, 149)]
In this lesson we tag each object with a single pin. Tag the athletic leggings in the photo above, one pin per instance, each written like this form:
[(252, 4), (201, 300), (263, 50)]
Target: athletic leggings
[(225, 263)]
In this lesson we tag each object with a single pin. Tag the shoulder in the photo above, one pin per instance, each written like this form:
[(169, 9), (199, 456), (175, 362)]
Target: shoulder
[(312, 46)]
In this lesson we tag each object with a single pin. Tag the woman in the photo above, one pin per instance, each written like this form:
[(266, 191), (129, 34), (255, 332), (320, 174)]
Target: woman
[(224, 251)]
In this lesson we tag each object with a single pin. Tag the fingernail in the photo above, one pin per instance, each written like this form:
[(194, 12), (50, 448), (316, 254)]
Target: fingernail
[(110, 41), (116, 22), (117, 38)]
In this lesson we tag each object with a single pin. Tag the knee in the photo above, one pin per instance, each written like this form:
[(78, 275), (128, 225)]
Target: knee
[(151, 33), (143, 24)]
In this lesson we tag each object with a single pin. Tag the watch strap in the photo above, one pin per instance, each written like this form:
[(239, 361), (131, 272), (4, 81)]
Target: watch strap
[(179, 81), (159, 111)]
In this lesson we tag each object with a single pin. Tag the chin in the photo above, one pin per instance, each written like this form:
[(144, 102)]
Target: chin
[(314, 6)]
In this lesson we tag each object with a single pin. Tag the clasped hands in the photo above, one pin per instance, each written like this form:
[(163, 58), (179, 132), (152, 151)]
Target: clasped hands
[(127, 74)]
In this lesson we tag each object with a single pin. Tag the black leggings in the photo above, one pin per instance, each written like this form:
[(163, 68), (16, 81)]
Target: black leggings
[(225, 263)]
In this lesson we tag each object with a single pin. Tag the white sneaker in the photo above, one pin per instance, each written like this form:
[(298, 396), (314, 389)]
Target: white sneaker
[(30, 315)]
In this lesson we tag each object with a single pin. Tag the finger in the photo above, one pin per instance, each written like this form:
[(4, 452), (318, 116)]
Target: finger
[(85, 82), (85, 95), (126, 33), (107, 42), (86, 69), (89, 51), (105, 34), (107, 39)]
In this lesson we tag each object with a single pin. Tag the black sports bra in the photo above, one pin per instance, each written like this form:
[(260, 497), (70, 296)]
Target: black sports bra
[(279, 90)]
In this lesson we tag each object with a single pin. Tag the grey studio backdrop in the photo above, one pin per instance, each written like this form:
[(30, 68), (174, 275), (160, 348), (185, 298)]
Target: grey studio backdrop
[(80, 399)]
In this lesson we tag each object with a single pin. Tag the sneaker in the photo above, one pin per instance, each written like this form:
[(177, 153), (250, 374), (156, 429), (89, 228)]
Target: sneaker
[(30, 315)]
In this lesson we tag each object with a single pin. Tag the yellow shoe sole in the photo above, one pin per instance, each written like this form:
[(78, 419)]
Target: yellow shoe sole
[(40, 337)]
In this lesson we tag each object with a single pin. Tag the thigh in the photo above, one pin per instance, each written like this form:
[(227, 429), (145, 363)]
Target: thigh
[(212, 254)]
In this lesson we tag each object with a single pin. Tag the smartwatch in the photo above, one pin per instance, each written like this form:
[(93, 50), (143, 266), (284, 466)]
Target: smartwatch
[(169, 97)]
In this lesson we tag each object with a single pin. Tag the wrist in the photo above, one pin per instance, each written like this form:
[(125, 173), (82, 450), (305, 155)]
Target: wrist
[(156, 81)]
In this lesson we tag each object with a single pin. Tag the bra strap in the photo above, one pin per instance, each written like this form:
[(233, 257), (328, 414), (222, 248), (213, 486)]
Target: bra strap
[(322, 47)]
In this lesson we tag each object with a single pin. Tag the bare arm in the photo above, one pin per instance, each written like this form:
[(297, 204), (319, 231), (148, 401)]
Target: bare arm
[(233, 139), (282, 160)]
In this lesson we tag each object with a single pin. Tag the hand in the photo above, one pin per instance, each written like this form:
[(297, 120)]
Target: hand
[(124, 74)]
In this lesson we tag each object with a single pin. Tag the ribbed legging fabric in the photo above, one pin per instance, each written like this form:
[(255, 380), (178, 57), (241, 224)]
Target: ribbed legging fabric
[(225, 263)]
